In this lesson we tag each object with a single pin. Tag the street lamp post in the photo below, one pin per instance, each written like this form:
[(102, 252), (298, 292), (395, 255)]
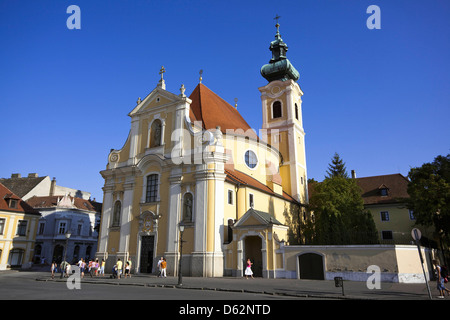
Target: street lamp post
[(67, 235), (180, 276)]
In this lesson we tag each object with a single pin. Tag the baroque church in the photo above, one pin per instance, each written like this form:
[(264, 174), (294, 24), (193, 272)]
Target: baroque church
[(194, 162)]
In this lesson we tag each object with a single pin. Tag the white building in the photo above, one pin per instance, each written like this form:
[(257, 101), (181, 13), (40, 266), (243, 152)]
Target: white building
[(62, 214)]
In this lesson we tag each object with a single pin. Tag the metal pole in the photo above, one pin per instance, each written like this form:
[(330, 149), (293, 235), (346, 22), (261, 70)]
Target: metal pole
[(423, 269), (180, 276)]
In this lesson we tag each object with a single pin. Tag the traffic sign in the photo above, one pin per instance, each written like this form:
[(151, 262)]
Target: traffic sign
[(416, 234)]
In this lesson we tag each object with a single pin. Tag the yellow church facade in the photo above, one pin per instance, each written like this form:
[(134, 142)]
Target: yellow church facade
[(194, 161)]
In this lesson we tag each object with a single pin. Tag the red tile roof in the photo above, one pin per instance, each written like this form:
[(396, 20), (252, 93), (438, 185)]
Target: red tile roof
[(22, 206), (52, 201), (396, 184), (213, 111), (235, 176)]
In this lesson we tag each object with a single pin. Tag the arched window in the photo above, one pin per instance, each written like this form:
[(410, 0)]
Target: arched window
[(296, 111), (276, 110), (155, 135), (116, 214), (188, 204)]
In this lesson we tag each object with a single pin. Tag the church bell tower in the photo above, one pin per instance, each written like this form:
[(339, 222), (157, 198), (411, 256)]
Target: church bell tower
[(282, 118)]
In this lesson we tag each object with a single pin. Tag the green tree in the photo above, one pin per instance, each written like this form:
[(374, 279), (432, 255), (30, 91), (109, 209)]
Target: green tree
[(338, 208), (429, 191), (336, 168)]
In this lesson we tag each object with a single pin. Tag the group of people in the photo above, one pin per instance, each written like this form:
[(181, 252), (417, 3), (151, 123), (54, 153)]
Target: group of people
[(96, 268), (93, 267), (118, 268)]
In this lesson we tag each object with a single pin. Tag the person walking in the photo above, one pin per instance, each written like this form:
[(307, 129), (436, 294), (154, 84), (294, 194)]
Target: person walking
[(82, 265), (119, 268), (159, 266), (248, 270), (163, 268), (54, 268), (127, 268), (440, 280), (101, 270)]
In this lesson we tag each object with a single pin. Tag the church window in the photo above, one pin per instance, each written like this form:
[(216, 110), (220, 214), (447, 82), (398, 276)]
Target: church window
[(152, 188), (230, 196), (251, 200), (276, 110), (187, 207), (250, 159), (296, 111), (155, 135), (116, 214)]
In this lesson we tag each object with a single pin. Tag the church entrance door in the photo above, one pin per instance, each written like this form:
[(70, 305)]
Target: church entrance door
[(253, 246), (147, 248)]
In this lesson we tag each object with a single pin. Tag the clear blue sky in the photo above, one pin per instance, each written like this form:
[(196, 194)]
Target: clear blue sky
[(380, 98)]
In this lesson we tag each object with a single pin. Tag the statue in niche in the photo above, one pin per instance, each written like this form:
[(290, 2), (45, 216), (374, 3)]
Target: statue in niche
[(155, 137), (187, 207)]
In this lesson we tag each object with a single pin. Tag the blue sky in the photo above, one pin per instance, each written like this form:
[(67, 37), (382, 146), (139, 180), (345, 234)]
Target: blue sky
[(380, 98)]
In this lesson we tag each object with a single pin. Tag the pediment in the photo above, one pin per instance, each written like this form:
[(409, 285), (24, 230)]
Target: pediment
[(256, 218), (158, 98)]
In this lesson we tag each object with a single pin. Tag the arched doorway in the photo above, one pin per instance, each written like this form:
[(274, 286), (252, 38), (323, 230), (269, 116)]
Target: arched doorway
[(58, 253), (253, 251), (311, 266)]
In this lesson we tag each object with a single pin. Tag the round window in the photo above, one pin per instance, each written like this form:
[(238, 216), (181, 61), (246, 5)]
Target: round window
[(250, 159)]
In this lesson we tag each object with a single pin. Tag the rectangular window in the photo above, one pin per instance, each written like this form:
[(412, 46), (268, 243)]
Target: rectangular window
[(387, 235), (2, 225), (62, 228), (13, 203), (251, 200), (230, 196), (152, 188), (80, 226), (22, 228), (41, 228), (384, 216)]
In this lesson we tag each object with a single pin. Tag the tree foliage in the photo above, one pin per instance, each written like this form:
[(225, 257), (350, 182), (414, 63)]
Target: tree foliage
[(339, 214), (338, 209), (336, 168), (429, 191)]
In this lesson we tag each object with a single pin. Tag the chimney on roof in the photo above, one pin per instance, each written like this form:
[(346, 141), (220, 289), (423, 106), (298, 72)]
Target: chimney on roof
[(52, 187), (353, 174), (33, 175), (16, 175)]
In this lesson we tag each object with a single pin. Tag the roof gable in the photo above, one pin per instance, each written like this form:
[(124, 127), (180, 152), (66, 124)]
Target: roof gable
[(256, 218), (157, 98), (21, 207), (22, 186)]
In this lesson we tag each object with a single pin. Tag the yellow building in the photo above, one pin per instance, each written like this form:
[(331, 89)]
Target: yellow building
[(385, 197), (18, 226), (194, 161)]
